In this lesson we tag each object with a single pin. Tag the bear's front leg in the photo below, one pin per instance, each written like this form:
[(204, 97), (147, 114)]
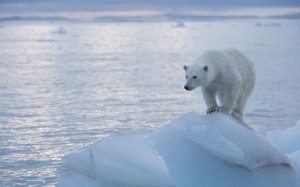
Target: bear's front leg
[(210, 99)]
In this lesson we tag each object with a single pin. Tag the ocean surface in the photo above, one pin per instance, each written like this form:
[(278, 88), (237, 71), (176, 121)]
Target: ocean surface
[(64, 85)]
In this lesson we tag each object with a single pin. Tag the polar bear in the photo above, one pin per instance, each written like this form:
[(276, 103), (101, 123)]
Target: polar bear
[(228, 75)]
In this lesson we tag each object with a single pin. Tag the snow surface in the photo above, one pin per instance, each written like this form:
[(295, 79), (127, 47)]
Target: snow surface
[(288, 141), (193, 150)]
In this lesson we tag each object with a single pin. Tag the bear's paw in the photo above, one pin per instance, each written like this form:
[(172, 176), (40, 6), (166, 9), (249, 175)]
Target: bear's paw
[(211, 110), (221, 109)]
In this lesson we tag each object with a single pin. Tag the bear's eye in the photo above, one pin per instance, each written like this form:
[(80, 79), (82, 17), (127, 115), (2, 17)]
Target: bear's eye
[(186, 77), (194, 77)]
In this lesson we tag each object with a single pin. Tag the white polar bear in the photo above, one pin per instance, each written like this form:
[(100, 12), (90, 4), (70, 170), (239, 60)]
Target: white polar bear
[(228, 74)]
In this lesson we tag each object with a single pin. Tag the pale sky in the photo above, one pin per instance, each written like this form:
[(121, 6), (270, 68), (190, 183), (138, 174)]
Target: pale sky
[(94, 8)]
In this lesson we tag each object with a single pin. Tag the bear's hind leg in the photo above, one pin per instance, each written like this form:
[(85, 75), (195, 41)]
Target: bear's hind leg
[(229, 99), (237, 114), (238, 111)]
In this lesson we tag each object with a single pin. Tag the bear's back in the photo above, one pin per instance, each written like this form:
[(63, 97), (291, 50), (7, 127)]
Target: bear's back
[(244, 65)]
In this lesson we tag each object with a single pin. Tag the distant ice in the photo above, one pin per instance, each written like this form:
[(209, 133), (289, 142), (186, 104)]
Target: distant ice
[(60, 30), (274, 24), (179, 24), (193, 150), (47, 40)]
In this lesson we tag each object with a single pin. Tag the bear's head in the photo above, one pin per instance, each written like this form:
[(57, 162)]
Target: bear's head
[(196, 76)]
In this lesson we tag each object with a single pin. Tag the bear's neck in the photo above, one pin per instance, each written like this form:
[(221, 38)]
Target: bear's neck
[(212, 75)]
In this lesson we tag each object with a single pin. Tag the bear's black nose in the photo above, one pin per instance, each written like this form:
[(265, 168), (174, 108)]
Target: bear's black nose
[(186, 87)]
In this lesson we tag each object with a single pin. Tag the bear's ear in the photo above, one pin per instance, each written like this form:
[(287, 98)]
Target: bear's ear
[(185, 67), (205, 68)]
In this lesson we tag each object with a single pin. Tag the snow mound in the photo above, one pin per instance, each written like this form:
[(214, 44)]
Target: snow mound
[(193, 150), (225, 138), (125, 160), (288, 141)]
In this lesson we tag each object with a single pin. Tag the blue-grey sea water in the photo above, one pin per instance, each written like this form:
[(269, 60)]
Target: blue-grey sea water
[(64, 85)]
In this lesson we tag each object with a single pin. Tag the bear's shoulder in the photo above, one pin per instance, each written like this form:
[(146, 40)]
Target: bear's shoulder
[(214, 56), (216, 60)]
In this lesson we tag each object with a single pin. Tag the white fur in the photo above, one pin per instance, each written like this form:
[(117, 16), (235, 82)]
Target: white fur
[(230, 76)]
